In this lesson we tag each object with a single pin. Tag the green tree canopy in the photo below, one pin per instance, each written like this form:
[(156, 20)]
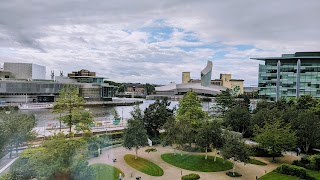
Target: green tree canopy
[(70, 103), (15, 128), (225, 101), (238, 119), (156, 115), (135, 136), (275, 137)]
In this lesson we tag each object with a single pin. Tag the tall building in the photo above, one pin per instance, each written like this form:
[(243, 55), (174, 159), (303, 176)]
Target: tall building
[(185, 77), (24, 70), (290, 75)]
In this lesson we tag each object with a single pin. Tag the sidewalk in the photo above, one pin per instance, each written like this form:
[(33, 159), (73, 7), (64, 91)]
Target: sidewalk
[(6, 162)]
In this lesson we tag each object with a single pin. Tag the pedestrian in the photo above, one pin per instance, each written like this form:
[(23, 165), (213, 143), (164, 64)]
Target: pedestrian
[(299, 151), (120, 176)]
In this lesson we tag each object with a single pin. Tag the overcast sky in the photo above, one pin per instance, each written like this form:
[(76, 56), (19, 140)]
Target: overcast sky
[(155, 40)]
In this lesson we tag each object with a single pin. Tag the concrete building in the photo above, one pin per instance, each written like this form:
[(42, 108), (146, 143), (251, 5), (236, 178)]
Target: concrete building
[(24, 70), (290, 75), (185, 77), (206, 74)]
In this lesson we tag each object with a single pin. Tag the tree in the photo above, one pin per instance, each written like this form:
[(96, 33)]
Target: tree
[(135, 136), (156, 115), (189, 117), (149, 88), (16, 128), (115, 114), (209, 135), (225, 100), (307, 128), (275, 137), (70, 103), (238, 119), (306, 102), (57, 158), (234, 148)]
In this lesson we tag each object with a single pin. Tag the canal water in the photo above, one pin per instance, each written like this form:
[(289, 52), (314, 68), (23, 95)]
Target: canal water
[(45, 117)]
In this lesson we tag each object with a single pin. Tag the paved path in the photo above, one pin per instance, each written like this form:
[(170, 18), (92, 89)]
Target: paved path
[(6, 162), (248, 171)]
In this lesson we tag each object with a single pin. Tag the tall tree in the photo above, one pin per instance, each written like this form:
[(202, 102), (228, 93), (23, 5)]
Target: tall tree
[(307, 128), (135, 136), (209, 135), (238, 119), (275, 137), (70, 103), (225, 101), (156, 115), (306, 102), (234, 148), (16, 128), (149, 88), (189, 115), (57, 158)]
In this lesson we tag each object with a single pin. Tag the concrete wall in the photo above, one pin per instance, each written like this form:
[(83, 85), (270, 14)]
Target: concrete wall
[(226, 80), (185, 77), (38, 72)]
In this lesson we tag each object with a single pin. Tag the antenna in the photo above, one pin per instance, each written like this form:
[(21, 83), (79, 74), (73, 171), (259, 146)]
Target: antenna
[(52, 75)]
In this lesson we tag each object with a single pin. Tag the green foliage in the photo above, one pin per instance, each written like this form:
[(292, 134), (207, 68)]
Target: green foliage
[(238, 119), (306, 102), (70, 103), (197, 162), (258, 151), (56, 158), (307, 128), (149, 88), (15, 128), (115, 114), (275, 137), (274, 175), (225, 101), (151, 150), (309, 162), (143, 165), (190, 177), (135, 136), (156, 115), (294, 171), (233, 174), (234, 147), (106, 172)]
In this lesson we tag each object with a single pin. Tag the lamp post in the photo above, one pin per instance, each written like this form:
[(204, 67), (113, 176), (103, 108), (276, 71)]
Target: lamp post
[(122, 117)]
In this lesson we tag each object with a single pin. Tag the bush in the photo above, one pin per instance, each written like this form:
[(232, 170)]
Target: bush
[(195, 149), (294, 171), (151, 150), (190, 177), (258, 151), (112, 136), (312, 162), (155, 140), (235, 174)]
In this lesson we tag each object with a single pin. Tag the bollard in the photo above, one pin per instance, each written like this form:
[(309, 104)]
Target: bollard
[(108, 156)]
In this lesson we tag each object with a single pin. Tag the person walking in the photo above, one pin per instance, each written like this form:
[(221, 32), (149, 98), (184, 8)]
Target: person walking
[(120, 176)]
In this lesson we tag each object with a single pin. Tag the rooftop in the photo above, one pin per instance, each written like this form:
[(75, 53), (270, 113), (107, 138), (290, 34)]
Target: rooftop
[(297, 55)]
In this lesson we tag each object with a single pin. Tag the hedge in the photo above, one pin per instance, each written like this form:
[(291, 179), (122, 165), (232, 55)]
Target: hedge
[(190, 177), (294, 171)]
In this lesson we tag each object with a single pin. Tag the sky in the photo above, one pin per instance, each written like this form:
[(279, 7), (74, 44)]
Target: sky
[(154, 41)]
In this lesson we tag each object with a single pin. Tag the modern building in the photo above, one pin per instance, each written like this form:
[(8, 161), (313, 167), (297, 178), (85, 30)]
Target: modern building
[(23, 71), (290, 75), (204, 86)]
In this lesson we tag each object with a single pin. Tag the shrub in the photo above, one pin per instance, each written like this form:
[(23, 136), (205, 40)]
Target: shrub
[(235, 174), (151, 150), (87, 134), (294, 171), (258, 151), (190, 177), (155, 140)]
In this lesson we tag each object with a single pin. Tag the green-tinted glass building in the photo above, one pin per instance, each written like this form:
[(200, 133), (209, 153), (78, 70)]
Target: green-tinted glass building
[(290, 75)]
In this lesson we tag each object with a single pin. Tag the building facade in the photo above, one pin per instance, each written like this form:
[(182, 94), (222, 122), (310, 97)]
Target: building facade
[(24, 70), (290, 75)]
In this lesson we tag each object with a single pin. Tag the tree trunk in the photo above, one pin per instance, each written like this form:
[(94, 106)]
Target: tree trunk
[(215, 154), (70, 129), (174, 151), (136, 156), (10, 150), (234, 167), (206, 153)]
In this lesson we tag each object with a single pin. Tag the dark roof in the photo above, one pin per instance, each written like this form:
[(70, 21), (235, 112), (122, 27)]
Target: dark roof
[(236, 80), (297, 55)]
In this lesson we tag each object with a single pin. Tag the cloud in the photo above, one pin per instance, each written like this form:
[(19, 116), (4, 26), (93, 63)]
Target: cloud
[(154, 41)]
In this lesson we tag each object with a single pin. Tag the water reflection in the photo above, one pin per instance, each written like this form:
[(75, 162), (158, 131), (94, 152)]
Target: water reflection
[(45, 116)]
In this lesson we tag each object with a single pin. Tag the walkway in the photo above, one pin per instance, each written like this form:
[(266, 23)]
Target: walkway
[(249, 171)]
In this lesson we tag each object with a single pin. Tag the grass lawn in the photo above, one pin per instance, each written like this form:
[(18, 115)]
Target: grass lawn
[(196, 162), (106, 172), (143, 165), (277, 176), (315, 174), (256, 162)]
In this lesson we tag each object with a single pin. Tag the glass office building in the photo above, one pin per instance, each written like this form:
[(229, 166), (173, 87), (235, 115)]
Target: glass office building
[(290, 75)]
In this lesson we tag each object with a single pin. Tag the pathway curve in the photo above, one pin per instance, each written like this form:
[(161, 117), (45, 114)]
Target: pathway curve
[(248, 171)]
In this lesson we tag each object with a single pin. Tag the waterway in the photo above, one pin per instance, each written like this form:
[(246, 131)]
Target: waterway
[(45, 117)]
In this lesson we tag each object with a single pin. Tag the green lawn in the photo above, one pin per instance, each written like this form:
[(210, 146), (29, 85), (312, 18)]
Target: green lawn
[(106, 172), (276, 176), (197, 162), (143, 165), (256, 162)]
